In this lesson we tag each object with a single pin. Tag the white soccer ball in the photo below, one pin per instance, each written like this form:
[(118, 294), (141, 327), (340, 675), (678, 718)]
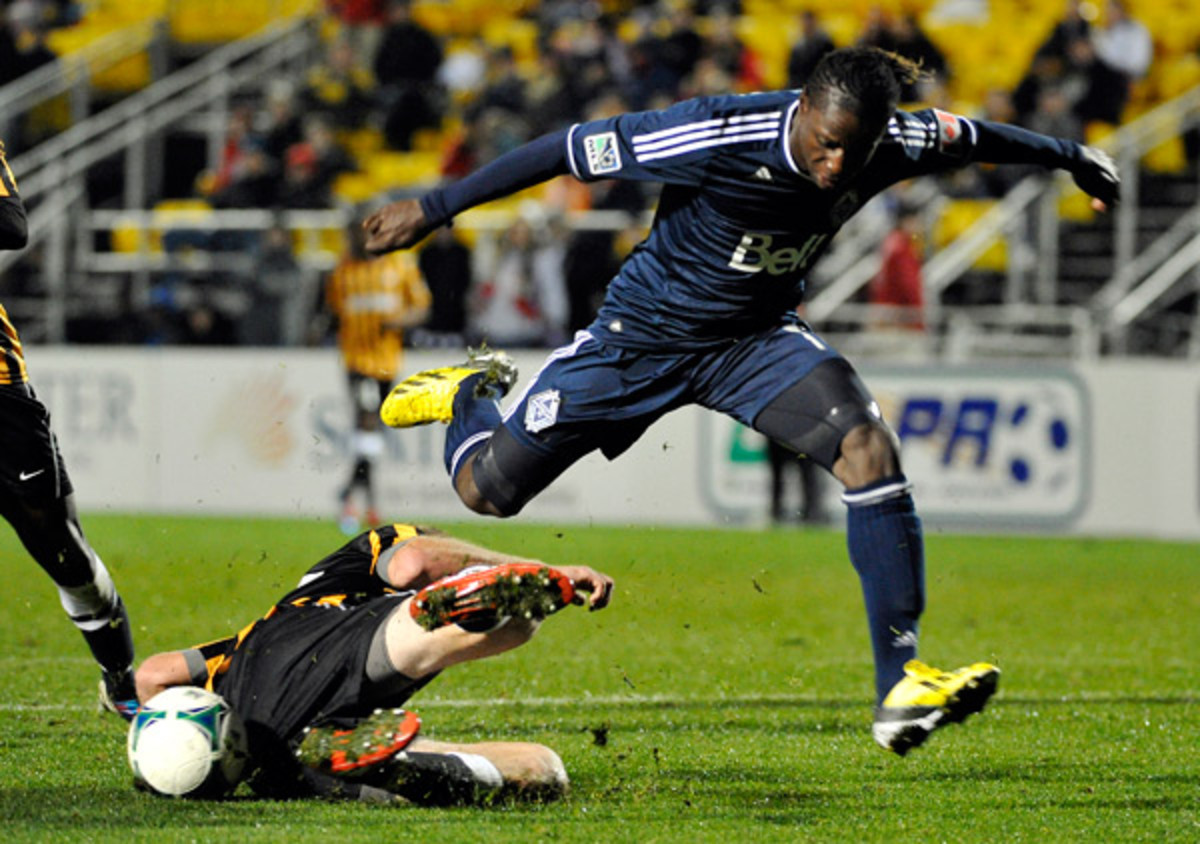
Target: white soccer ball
[(187, 742)]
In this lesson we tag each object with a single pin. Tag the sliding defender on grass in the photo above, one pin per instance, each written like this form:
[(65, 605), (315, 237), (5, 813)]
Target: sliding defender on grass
[(704, 312), (319, 679)]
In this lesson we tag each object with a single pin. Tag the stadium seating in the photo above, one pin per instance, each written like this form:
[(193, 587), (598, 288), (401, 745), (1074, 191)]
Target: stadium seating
[(958, 215)]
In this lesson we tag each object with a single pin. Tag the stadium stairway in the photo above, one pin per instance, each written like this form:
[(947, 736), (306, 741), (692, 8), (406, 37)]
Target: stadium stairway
[(1086, 247)]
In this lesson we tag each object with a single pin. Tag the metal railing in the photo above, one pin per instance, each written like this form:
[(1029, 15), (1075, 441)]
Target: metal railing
[(53, 175), (52, 178), (1139, 282), (73, 73)]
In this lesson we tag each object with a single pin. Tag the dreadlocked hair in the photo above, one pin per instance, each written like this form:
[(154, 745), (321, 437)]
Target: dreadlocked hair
[(866, 77)]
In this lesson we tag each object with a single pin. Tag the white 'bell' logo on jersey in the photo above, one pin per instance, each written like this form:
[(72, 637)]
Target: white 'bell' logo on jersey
[(542, 411)]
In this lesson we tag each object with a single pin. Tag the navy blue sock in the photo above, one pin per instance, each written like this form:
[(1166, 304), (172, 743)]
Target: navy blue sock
[(887, 549), (474, 420)]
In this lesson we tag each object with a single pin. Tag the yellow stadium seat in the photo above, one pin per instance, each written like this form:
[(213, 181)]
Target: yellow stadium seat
[(217, 21), (1175, 76), (956, 217), (354, 187), (1168, 157), (434, 15), (403, 169), (1075, 206), (519, 35), (428, 140), (844, 28), (125, 237), (49, 116), (360, 143), (308, 241), (770, 37), (198, 207), (126, 76)]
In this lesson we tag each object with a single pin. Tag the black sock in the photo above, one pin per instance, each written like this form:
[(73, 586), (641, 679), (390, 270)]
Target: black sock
[(435, 779), (112, 643)]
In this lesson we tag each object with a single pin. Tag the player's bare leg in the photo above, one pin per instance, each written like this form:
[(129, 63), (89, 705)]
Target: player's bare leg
[(868, 455), (385, 754), (528, 770), (416, 652), (475, 614)]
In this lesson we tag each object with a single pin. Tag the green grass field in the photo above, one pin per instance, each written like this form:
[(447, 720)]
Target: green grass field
[(724, 696)]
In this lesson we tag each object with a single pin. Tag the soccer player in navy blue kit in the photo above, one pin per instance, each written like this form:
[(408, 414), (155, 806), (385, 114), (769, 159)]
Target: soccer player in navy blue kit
[(703, 312)]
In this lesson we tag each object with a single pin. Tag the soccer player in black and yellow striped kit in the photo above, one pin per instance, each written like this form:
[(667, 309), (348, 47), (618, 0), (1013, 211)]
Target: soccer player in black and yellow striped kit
[(373, 300), (36, 497), (315, 678)]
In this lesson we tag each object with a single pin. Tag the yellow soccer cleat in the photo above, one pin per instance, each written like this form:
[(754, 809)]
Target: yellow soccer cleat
[(428, 396), (927, 699)]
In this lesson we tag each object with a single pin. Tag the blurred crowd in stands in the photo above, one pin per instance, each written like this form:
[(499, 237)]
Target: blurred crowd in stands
[(23, 28), (470, 101)]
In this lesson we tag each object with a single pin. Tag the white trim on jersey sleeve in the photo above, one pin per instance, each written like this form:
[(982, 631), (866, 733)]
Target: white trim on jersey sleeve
[(571, 152), (787, 130), (970, 124)]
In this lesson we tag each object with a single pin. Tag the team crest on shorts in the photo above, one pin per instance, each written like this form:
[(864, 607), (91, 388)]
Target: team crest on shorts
[(542, 411), (602, 153)]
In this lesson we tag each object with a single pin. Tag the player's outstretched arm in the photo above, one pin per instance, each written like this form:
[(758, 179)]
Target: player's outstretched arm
[(1093, 170), (598, 585), (161, 671), (429, 557), (405, 223), (398, 225), (1097, 176)]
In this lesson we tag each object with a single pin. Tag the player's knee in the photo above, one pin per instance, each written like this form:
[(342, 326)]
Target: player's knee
[(474, 500), (516, 632), (868, 453), (538, 773), (470, 494)]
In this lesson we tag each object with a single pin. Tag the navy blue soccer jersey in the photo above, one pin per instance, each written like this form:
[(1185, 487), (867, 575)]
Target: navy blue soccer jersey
[(738, 223)]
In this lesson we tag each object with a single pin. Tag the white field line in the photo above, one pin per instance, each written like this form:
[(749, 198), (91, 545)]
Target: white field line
[(467, 703), (633, 701)]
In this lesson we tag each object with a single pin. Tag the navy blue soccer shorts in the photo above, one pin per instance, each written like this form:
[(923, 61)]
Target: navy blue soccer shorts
[(590, 395)]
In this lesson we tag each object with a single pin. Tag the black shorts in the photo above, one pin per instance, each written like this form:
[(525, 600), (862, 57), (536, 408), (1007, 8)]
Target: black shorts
[(31, 466), (305, 666)]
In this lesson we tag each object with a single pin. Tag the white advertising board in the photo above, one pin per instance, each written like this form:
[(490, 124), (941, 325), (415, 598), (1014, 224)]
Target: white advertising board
[(1104, 448)]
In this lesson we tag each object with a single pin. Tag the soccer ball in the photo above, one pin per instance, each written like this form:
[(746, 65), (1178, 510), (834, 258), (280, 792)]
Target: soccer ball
[(187, 742)]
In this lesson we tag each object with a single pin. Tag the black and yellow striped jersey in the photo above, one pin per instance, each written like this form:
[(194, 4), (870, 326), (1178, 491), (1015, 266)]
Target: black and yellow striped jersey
[(343, 580), (12, 236), (369, 297)]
